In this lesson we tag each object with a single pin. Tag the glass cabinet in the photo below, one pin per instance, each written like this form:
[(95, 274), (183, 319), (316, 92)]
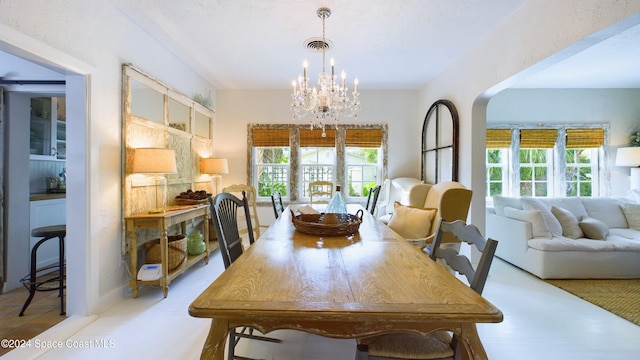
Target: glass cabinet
[(48, 130)]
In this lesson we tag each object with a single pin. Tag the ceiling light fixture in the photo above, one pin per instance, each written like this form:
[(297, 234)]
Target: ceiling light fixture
[(330, 100)]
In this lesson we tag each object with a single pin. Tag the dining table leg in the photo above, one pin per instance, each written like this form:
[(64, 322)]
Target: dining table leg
[(216, 339), (471, 345)]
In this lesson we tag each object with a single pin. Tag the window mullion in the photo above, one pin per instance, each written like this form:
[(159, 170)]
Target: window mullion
[(559, 169), (515, 163), (341, 166), (294, 163)]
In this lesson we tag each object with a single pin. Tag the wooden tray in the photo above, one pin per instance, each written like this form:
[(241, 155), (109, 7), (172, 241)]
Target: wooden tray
[(312, 224), (181, 201)]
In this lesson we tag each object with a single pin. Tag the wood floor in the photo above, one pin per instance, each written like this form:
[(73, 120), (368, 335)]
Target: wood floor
[(42, 313)]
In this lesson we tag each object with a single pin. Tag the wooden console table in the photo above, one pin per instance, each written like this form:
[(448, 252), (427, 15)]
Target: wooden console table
[(175, 215)]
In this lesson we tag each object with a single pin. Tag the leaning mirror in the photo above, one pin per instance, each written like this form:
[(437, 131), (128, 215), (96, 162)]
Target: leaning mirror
[(439, 154)]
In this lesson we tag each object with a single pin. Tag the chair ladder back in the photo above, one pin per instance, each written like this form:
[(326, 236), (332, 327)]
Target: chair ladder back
[(469, 234), (373, 195), (276, 202), (322, 189)]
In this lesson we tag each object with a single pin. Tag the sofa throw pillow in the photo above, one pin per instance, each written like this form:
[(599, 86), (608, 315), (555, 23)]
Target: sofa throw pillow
[(538, 227), (568, 222), (411, 222), (632, 213), (593, 228), (529, 203)]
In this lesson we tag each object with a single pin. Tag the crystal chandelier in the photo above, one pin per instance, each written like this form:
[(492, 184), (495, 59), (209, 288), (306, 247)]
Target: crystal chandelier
[(329, 101)]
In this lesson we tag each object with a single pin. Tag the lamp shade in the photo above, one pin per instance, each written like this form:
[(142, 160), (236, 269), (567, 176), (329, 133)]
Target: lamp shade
[(154, 160), (214, 166), (628, 156)]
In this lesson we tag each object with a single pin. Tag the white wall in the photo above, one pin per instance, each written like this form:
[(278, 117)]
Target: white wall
[(237, 108), (619, 108), (96, 45), (541, 32)]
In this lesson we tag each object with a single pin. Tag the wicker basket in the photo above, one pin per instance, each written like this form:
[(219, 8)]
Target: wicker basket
[(312, 224), (176, 252)]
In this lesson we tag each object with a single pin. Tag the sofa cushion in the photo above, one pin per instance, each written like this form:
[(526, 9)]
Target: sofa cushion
[(500, 202), (568, 222), (633, 235), (566, 244), (538, 227), (573, 204), (550, 220), (607, 210), (593, 228), (411, 222), (632, 214)]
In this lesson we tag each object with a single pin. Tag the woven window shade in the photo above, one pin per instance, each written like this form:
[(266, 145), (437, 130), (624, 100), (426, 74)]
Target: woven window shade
[(313, 138), (538, 138), (366, 138), (584, 138), (270, 137), (498, 138)]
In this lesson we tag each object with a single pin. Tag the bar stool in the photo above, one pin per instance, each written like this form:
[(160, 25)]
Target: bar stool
[(31, 281)]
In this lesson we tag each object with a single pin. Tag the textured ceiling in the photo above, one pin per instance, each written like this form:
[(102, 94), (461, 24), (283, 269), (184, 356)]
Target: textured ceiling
[(400, 44)]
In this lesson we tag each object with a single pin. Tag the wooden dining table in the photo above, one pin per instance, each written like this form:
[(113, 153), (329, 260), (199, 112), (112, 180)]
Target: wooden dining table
[(370, 283)]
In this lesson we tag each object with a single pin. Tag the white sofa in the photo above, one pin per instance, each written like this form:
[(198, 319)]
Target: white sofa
[(561, 244)]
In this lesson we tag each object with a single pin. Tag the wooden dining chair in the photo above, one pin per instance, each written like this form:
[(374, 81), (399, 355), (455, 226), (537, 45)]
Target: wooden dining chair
[(251, 193), (439, 344), (321, 191), (373, 195), (224, 209), (276, 202)]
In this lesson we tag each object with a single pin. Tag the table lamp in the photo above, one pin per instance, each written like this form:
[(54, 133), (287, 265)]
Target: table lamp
[(156, 161), (215, 167), (630, 156)]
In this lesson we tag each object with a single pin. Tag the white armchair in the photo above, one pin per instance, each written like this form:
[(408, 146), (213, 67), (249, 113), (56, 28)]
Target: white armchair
[(395, 190)]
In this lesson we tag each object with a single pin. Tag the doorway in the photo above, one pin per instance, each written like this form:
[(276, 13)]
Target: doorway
[(77, 105)]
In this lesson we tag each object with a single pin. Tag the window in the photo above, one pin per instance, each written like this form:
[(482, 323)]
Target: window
[(317, 157), (272, 170), (497, 160), (289, 157), (271, 158), (362, 157), (497, 172), (548, 162), (582, 161), (535, 167), (580, 172)]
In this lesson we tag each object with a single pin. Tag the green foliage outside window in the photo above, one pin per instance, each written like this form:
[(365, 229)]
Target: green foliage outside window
[(273, 175), (579, 178), (635, 139)]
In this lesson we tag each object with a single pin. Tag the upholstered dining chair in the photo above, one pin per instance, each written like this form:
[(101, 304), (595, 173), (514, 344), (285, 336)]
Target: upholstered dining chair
[(373, 195), (439, 344), (237, 189), (321, 191), (276, 202), (451, 201), (224, 209)]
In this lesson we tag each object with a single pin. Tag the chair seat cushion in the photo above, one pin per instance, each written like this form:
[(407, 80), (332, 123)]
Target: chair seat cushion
[(411, 222), (410, 346)]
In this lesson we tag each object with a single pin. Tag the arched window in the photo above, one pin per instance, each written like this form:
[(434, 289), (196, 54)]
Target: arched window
[(440, 143)]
